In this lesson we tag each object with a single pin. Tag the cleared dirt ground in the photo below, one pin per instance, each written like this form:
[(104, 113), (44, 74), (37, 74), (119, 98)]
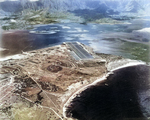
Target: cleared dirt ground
[(38, 84)]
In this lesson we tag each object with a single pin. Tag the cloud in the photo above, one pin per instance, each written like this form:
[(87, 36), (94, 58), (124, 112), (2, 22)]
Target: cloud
[(33, 0), (17, 0), (7, 0)]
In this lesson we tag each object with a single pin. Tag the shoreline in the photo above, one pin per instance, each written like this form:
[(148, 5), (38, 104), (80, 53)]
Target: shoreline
[(50, 76)]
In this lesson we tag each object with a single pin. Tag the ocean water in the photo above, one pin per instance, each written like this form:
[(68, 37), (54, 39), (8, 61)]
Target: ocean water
[(116, 39)]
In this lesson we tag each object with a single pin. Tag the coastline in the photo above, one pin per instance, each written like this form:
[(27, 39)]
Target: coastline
[(48, 77)]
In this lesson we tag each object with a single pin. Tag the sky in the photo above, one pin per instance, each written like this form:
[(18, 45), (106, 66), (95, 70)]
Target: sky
[(15, 0), (36, 0)]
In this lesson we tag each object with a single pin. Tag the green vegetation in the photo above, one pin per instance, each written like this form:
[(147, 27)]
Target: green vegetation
[(37, 17), (138, 51), (27, 111), (18, 25), (31, 17), (6, 110), (107, 20)]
